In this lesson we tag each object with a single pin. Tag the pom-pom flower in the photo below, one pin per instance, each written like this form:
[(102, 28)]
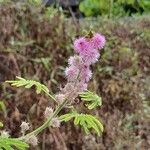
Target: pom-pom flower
[(90, 57), (98, 41), (81, 44), (88, 48), (86, 74), (71, 73), (75, 61)]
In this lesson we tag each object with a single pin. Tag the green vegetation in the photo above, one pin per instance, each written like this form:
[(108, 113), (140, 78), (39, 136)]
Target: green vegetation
[(19, 82), (114, 7), (10, 144), (92, 99), (86, 121)]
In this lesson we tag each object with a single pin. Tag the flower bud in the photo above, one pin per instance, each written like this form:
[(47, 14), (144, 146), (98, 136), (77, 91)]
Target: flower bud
[(24, 127), (33, 140), (48, 112), (55, 123)]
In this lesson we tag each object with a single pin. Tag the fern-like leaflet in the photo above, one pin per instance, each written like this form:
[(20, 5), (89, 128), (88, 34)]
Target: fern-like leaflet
[(12, 144), (93, 100), (30, 83), (86, 121)]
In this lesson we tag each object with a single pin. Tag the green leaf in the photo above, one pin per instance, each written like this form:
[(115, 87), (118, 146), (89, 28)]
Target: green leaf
[(93, 100), (66, 117), (12, 144), (98, 123), (92, 124), (30, 83), (86, 121)]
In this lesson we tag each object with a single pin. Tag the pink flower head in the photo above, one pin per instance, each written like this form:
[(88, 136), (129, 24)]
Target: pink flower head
[(60, 98), (81, 44), (98, 41), (75, 61), (85, 74), (90, 57), (71, 73), (82, 86)]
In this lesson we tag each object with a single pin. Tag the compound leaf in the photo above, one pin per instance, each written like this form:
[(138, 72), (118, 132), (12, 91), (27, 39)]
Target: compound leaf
[(11, 144), (93, 100), (86, 121), (30, 83)]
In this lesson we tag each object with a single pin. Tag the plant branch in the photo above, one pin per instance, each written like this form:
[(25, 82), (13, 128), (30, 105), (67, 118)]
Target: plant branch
[(47, 122)]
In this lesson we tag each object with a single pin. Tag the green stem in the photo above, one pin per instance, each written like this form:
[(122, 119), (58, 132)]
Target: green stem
[(51, 96), (47, 122)]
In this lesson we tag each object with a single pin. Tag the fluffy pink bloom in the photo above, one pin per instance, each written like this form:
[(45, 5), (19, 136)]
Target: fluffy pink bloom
[(81, 45), (75, 61), (60, 98), (98, 41), (85, 74), (82, 86), (90, 57), (71, 73)]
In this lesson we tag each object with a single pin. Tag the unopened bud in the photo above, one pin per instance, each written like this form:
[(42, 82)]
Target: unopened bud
[(55, 122), (24, 127), (48, 112), (33, 140)]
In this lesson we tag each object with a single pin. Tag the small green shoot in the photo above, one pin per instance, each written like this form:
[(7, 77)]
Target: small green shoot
[(93, 100)]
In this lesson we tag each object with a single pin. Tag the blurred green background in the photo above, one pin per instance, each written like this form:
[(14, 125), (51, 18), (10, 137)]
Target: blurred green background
[(113, 8)]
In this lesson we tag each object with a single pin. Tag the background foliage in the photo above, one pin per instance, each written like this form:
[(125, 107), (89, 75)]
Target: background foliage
[(35, 44), (114, 7)]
